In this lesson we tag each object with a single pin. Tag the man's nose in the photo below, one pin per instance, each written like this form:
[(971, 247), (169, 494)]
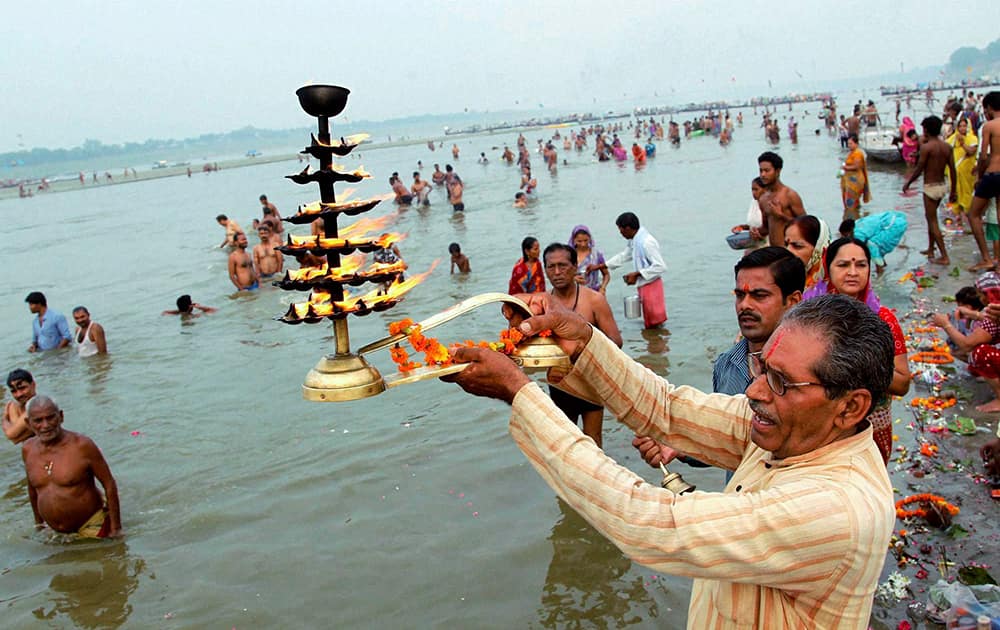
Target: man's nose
[(758, 389)]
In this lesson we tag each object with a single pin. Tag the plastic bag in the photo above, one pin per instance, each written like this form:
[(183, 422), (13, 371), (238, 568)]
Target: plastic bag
[(958, 606)]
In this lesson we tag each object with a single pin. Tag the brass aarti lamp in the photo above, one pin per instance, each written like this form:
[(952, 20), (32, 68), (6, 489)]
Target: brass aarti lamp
[(344, 375)]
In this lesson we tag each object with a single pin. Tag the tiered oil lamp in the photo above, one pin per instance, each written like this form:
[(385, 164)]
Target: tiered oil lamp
[(344, 375)]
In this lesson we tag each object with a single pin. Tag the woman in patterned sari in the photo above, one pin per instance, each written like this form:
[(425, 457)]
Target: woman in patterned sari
[(854, 181), (981, 342), (527, 275)]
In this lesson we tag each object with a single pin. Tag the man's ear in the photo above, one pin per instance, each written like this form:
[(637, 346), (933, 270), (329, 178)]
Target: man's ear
[(854, 407)]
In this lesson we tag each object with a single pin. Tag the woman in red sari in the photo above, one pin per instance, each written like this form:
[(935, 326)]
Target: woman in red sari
[(848, 271), (527, 276)]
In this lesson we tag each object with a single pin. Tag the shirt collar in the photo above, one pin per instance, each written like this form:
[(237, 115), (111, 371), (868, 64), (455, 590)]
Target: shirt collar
[(848, 446)]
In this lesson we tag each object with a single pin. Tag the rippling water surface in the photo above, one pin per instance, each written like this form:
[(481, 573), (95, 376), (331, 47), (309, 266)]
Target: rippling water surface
[(246, 506)]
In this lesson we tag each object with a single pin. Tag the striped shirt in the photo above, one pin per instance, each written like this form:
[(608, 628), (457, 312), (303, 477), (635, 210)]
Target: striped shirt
[(793, 543), (731, 371)]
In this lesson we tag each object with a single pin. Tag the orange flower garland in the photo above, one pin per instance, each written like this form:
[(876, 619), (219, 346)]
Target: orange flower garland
[(436, 353), (921, 512), (936, 356), (933, 403)]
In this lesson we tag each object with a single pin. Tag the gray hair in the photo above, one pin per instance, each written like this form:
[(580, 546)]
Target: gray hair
[(858, 344), (40, 400)]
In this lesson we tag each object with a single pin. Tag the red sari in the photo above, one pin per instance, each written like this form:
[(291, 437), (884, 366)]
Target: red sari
[(527, 278)]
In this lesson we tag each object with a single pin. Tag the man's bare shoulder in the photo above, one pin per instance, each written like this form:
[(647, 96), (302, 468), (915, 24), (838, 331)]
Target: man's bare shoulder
[(591, 296), (80, 443)]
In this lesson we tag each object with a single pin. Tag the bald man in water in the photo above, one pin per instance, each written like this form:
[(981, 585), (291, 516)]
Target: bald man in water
[(61, 467)]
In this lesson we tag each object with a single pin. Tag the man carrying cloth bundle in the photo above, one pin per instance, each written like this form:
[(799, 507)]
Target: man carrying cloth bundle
[(644, 251)]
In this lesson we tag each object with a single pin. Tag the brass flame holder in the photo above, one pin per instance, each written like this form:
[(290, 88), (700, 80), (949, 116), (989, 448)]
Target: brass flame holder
[(344, 375)]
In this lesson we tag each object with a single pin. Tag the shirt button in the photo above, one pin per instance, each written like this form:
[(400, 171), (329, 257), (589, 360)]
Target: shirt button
[(766, 465), (738, 488)]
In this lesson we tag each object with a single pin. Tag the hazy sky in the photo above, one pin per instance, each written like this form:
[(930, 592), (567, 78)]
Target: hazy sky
[(127, 71)]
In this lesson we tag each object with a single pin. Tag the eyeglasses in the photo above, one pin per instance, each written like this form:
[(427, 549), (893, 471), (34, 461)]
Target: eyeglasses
[(775, 380)]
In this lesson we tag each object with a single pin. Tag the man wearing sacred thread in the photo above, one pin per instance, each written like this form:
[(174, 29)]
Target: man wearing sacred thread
[(798, 537)]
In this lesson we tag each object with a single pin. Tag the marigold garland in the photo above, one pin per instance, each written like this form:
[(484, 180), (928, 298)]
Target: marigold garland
[(435, 353), (933, 403), (930, 499), (936, 356)]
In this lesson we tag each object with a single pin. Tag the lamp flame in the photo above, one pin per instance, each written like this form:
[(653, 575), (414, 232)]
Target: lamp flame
[(319, 304), (365, 224)]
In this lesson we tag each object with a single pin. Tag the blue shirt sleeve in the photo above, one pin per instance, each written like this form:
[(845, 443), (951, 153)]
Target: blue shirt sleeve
[(63, 327)]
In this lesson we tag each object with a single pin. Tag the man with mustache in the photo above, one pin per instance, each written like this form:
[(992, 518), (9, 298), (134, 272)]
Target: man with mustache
[(798, 538), (769, 281)]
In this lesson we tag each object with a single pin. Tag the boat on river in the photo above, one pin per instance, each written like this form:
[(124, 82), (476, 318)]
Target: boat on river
[(880, 144)]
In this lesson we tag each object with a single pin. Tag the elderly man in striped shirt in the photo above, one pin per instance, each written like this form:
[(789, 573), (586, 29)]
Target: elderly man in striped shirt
[(798, 537)]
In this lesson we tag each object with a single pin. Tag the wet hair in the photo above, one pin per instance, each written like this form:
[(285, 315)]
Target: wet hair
[(787, 270), (858, 345), (992, 100), (221, 217), (263, 197), (416, 173), (852, 136), (560, 247), (184, 303), (970, 297), (36, 297), (809, 227), (757, 180), (41, 400), (847, 227), (627, 220), (19, 374), (454, 248), (81, 309), (771, 158), (448, 168), (528, 243), (834, 247), (519, 195), (931, 125)]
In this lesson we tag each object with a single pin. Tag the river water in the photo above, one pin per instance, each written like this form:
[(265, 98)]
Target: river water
[(246, 506)]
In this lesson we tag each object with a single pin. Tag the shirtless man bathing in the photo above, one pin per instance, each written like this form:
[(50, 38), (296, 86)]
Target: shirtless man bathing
[(935, 156), (560, 267), (987, 172), (241, 271), (15, 415), (61, 467), (779, 202), (266, 260)]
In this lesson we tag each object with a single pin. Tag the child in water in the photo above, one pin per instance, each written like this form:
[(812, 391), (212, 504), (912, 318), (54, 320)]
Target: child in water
[(458, 259)]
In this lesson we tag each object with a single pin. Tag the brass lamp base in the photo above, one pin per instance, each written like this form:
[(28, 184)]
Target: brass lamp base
[(339, 378), (540, 353)]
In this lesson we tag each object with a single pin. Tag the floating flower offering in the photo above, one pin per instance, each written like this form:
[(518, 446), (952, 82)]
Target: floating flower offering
[(927, 503)]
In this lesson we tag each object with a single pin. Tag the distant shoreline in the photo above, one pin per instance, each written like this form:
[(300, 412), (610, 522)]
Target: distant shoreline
[(181, 170)]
